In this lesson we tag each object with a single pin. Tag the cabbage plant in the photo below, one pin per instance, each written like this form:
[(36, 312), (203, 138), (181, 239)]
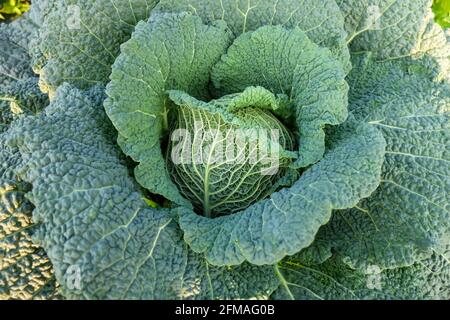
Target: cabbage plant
[(198, 149)]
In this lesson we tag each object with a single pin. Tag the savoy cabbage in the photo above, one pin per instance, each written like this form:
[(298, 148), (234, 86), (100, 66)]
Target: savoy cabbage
[(99, 200)]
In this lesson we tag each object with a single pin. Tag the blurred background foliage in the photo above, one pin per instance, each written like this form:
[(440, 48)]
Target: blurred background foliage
[(11, 9), (441, 9)]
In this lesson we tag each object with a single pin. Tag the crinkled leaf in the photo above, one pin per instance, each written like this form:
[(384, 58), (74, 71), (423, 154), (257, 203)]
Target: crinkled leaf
[(407, 218), (80, 39), (25, 270), (15, 42), (287, 62), (23, 97), (388, 28), (288, 221), (104, 241), (39, 9), (14, 59), (20, 97), (170, 51), (321, 20), (434, 42), (428, 279), (395, 29)]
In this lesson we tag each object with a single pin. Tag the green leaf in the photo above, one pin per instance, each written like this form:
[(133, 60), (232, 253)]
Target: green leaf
[(288, 221), (80, 39), (25, 270), (392, 29), (321, 20), (14, 58), (170, 51), (407, 218), (334, 280), (23, 97), (39, 9), (16, 40), (104, 241), (389, 28), (287, 62)]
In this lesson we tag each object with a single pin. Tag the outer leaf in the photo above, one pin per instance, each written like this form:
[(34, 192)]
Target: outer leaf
[(407, 218), (433, 41), (80, 39), (171, 51), (105, 242), (14, 59), (428, 279), (287, 62), (39, 9), (321, 20), (18, 98), (15, 42), (25, 270), (5, 114), (387, 27), (289, 220), (395, 29), (22, 97)]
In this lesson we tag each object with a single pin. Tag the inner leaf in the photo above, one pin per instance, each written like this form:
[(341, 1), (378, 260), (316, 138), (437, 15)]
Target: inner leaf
[(229, 153)]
